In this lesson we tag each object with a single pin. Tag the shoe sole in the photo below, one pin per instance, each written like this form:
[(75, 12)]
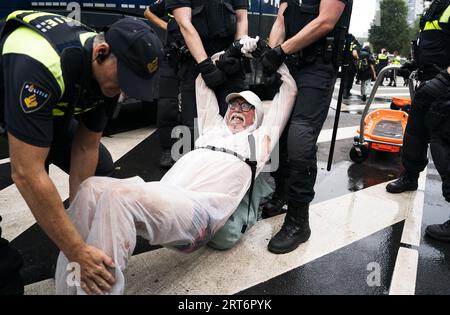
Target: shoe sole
[(287, 250), (399, 191)]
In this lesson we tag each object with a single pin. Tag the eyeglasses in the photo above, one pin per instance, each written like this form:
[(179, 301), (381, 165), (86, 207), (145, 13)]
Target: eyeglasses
[(245, 107)]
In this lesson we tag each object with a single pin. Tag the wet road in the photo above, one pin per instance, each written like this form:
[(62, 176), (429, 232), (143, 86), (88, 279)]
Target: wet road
[(364, 240)]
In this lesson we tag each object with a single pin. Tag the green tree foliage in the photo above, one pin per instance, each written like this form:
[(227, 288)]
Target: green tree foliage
[(415, 29), (393, 33)]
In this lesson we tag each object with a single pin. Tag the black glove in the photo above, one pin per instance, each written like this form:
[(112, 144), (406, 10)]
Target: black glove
[(230, 61), (234, 50), (410, 66), (432, 90), (212, 75), (272, 59)]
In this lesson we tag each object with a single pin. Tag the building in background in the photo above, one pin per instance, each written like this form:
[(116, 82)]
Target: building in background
[(415, 8)]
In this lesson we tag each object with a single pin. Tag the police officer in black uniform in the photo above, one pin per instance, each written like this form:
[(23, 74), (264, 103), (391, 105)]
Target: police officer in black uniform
[(355, 47), (308, 34), (168, 110), (55, 69), (208, 27), (430, 111)]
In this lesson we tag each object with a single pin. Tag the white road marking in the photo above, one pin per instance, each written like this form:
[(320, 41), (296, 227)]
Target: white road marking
[(343, 133), (405, 271), (413, 223), (357, 107)]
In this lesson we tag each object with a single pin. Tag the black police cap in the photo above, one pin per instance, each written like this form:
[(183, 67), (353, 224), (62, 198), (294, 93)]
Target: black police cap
[(139, 52)]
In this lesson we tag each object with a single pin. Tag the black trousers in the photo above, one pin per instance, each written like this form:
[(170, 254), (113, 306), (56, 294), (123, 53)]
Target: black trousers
[(298, 145), (10, 263), (349, 79), (60, 151), (188, 74), (168, 111), (428, 125)]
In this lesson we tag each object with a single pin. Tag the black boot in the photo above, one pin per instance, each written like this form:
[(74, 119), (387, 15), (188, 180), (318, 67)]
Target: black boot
[(406, 182), (295, 230), (166, 160), (10, 263), (276, 205), (440, 232)]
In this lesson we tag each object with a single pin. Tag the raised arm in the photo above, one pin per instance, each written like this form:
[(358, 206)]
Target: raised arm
[(183, 16), (207, 105), (329, 14), (276, 117), (241, 23)]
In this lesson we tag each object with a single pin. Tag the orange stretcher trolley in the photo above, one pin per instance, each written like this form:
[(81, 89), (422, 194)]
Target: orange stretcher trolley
[(381, 129)]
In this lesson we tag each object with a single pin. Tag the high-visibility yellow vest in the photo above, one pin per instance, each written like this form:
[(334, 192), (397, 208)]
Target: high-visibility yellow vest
[(396, 61), (44, 37)]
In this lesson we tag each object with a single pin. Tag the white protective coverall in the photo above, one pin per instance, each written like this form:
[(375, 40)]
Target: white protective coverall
[(190, 203)]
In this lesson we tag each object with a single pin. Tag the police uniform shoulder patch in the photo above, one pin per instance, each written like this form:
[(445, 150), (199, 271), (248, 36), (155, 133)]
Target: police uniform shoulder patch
[(33, 97)]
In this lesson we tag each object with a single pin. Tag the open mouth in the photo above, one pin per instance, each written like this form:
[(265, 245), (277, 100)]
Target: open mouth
[(237, 118)]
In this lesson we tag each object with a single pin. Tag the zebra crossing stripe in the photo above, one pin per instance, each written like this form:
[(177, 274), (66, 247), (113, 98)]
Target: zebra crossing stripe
[(405, 271)]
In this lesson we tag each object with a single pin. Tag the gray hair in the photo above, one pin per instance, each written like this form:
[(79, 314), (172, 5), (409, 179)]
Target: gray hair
[(100, 39)]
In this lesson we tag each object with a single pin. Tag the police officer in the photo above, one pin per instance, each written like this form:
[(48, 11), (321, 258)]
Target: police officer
[(352, 69), (55, 68), (307, 32), (168, 110), (393, 75), (382, 61), (429, 116), (208, 27)]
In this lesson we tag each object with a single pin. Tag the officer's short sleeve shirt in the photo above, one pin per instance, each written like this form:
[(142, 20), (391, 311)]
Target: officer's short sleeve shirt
[(345, 1), (174, 4), (31, 93), (158, 8)]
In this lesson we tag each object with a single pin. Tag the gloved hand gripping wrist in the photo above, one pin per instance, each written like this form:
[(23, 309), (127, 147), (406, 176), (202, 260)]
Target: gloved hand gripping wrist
[(272, 59), (212, 75)]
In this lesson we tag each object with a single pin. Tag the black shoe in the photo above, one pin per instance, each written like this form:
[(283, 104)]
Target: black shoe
[(440, 232), (166, 160), (363, 98), (295, 231), (406, 182), (275, 206)]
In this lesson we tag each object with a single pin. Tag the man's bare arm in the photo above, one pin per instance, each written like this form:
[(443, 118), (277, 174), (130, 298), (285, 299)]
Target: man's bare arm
[(29, 175), (183, 16), (278, 32), (330, 12), (374, 73), (84, 157), (155, 19), (241, 23), (36, 187)]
